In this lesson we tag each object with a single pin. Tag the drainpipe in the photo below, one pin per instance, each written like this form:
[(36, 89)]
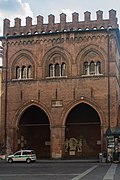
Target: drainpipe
[(108, 81), (108, 133), (6, 81)]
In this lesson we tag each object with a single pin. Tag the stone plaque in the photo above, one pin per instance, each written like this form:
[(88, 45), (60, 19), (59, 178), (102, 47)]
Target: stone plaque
[(57, 103)]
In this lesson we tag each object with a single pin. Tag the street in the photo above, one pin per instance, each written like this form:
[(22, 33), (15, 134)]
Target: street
[(61, 170)]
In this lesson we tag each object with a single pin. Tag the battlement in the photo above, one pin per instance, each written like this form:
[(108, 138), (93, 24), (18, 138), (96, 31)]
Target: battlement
[(51, 26)]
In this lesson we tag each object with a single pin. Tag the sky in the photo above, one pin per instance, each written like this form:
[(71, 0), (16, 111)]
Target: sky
[(22, 8)]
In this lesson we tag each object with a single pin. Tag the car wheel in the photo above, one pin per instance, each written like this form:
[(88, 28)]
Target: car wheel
[(28, 160), (10, 160)]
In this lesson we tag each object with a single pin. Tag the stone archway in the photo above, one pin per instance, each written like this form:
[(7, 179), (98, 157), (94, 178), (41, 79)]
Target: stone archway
[(34, 131), (83, 132)]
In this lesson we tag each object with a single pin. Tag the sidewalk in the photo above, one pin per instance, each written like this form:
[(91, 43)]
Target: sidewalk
[(63, 160), (68, 160)]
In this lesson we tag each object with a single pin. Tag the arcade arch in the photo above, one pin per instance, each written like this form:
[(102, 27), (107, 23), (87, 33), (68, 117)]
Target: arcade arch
[(83, 132), (34, 131)]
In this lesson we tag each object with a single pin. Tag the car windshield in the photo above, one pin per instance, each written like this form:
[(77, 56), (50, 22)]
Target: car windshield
[(33, 152)]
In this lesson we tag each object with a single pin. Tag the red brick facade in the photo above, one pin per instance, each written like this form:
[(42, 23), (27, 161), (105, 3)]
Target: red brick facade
[(62, 88)]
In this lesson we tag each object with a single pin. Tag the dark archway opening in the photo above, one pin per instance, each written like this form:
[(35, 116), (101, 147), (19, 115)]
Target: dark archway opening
[(34, 131), (83, 133)]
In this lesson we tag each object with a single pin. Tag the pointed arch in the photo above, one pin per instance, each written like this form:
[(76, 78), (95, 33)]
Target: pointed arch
[(22, 58), (53, 54), (83, 125), (86, 101), (89, 53), (25, 106), (34, 126)]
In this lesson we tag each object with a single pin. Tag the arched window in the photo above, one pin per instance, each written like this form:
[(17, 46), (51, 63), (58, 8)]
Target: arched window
[(24, 72), (57, 69), (63, 69), (29, 72), (51, 70), (18, 72), (85, 68), (98, 67), (92, 67)]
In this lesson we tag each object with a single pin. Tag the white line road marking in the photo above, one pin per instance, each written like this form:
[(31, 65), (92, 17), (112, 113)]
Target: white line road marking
[(110, 173), (84, 173), (9, 175)]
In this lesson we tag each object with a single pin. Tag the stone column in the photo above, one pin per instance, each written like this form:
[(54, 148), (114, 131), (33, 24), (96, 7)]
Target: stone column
[(9, 140), (57, 141), (103, 139), (15, 139)]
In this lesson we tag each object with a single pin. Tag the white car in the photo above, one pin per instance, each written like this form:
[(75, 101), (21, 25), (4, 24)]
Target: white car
[(22, 155)]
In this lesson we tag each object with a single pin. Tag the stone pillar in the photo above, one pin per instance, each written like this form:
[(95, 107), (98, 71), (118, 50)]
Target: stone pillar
[(9, 140), (15, 139), (103, 139), (57, 141)]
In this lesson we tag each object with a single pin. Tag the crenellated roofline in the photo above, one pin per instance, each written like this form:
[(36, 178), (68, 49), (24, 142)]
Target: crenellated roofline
[(62, 26)]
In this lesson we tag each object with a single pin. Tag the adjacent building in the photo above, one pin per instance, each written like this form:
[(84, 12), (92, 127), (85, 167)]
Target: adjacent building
[(60, 85)]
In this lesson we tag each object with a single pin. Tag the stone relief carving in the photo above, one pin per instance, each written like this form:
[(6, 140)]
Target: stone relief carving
[(73, 144)]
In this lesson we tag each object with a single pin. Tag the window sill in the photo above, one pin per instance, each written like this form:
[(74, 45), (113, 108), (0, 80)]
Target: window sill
[(22, 79), (56, 77), (91, 75)]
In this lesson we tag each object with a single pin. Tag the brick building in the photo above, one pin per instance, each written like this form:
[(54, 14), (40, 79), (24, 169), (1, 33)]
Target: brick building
[(60, 84)]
